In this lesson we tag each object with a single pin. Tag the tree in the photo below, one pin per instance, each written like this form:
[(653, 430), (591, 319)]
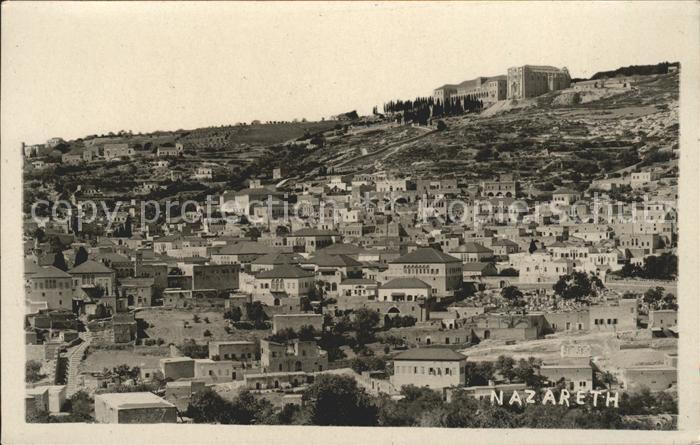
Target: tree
[(337, 400), (39, 234), (670, 302), (307, 333), (233, 314), (527, 371), (80, 406), (372, 363), (511, 293), (283, 335), (125, 230), (190, 348), (484, 154), (631, 270), (505, 366), (663, 267), (533, 246), (577, 286), (125, 372), (255, 312), (253, 233), (208, 407), (364, 323), (32, 371), (400, 321), (408, 411), (509, 272), (101, 311), (80, 257), (653, 297), (59, 261), (479, 373), (608, 378)]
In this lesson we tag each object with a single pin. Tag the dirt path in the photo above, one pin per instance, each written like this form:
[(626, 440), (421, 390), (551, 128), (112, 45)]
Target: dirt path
[(395, 147)]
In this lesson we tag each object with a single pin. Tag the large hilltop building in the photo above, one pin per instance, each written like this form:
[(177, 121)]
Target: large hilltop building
[(486, 89), (521, 82), (535, 80)]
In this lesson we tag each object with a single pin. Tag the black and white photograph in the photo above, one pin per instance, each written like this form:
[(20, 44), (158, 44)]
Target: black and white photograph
[(408, 218)]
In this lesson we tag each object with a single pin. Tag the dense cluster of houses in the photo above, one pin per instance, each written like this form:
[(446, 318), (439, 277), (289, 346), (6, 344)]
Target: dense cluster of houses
[(402, 247)]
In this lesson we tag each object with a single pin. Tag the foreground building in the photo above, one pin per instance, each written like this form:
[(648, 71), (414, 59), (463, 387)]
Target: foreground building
[(435, 368), (133, 407)]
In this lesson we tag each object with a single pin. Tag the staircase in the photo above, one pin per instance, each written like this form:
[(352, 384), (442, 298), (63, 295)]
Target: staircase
[(75, 357)]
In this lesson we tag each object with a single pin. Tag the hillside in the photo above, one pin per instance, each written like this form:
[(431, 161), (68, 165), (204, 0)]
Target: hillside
[(606, 131), (636, 70), (262, 134), (568, 140)]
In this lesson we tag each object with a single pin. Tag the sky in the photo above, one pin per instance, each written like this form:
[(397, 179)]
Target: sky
[(73, 69)]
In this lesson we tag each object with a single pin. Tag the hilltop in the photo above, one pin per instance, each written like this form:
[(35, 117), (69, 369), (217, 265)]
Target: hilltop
[(568, 133), (570, 136)]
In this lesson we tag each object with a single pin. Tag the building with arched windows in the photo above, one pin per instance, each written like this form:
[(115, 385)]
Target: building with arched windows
[(486, 89), (535, 80)]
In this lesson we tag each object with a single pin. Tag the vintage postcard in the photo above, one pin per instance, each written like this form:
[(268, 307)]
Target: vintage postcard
[(390, 222)]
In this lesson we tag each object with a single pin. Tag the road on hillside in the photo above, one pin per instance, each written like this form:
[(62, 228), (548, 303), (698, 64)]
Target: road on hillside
[(396, 146)]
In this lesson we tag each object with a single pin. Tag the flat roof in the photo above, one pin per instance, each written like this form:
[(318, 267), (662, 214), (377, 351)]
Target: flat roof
[(176, 359), (298, 315), (232, 342), (650, 368), (496, 386), (276, 374), (430, 354), (124, 400)]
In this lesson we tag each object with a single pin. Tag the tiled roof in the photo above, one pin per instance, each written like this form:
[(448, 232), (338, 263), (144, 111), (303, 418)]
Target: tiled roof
[(405, 283), (168, 238), (426, 255), (326, 260), (90, 266), (31, 267), (50, 272), (504, 242), (113, 257), (430, 354), (474, 267), (342, 249), (355, 281), (246, 248), (279, 258), (310, 231), (286, 271), (472, 247)]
